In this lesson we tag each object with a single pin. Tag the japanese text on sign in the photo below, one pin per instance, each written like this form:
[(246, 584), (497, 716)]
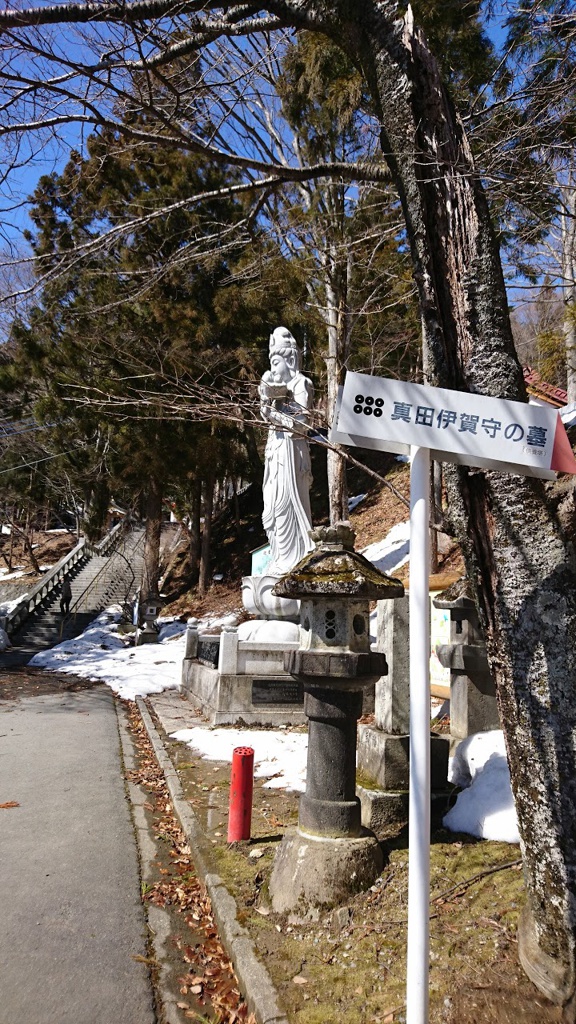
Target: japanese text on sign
[(455, 426)]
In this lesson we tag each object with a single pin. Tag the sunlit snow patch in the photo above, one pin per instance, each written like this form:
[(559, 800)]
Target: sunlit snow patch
[(485, 807), (279, 757)]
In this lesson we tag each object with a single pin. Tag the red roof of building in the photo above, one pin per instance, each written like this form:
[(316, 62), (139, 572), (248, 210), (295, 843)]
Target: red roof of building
[(540, 389)]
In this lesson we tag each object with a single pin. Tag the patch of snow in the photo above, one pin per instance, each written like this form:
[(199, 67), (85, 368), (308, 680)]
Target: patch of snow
[(16, 573), (485, 807), (8, 606), (279, 756), (214, 621), (100, 653), (568, 415), (354, 502), (391, 552), (269, 631), (171, 628)]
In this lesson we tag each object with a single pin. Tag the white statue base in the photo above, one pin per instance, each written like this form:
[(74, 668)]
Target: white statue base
[(258, 600)]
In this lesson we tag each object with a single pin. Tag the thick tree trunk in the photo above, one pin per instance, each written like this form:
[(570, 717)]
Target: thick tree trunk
[(435, 512), (195, 536), (338, 324), (204, 574), (516, 555), (26, 541), (570, 340), (252, 451), (569, 286), (153, 520)]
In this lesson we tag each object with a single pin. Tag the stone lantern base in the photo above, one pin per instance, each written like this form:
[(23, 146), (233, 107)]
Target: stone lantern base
[(318, 871)]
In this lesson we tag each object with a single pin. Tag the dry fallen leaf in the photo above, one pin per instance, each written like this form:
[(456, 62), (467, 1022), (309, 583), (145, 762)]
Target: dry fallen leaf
[(9, 803)]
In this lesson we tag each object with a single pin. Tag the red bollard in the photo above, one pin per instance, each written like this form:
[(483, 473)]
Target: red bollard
[(241, 786)]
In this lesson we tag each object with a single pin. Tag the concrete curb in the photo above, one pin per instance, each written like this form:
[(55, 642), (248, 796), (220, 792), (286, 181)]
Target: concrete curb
[(158, 921), (255, 982)]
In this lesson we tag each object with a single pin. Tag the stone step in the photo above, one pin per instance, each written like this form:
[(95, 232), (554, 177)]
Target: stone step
[(103, 579)]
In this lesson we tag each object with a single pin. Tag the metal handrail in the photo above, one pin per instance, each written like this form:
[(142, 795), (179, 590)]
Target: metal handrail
[(82, 598), (53, 578)]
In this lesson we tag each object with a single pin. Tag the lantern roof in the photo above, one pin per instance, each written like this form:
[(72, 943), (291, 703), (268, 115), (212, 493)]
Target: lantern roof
[(334, 569), (459, 595)]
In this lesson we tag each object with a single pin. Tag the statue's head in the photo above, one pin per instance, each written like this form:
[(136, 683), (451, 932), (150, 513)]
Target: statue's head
[(283, 343)]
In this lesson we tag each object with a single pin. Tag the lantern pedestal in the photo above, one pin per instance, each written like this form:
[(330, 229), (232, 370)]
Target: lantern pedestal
[(330, 807), (321, 871)]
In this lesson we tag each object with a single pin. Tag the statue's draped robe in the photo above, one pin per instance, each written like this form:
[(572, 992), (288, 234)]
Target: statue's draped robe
[(286, 489)]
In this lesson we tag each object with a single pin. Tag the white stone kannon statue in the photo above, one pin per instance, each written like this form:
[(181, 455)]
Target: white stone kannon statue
[(286, 395)]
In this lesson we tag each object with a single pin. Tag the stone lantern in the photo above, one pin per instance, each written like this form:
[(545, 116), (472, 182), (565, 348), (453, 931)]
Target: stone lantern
[(331, 855), (150, 610)]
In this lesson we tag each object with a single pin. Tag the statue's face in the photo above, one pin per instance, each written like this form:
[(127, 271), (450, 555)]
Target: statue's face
[(281, 367)]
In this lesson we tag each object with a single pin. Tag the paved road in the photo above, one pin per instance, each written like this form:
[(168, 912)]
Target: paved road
[(71, 920)]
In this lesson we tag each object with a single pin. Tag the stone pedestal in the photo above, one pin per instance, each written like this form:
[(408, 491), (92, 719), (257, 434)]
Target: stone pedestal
[(236, 680), (147, 635), (331, 856), (383, 748), (330, 806), (322, 871), (473, 705), (386, 759)]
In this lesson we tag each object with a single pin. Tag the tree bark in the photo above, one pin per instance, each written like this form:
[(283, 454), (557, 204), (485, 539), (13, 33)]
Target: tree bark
[(194, 531), (153, 530), (338, 325), (569, 287), (252, 450), (204, 574), (26, 541)]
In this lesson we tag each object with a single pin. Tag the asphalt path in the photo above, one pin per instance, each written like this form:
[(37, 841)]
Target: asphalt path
[(71, 920)]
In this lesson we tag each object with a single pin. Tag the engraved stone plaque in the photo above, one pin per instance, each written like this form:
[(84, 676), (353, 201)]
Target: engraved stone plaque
[(277, 691)]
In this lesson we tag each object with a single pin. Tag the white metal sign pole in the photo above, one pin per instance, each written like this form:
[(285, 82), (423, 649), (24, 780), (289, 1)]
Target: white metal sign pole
[(419, 804)]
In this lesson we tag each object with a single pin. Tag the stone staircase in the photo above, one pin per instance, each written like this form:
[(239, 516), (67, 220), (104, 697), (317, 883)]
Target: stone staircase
[(100, 581)]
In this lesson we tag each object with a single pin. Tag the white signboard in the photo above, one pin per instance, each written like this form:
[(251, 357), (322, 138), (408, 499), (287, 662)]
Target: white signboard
[(473, 430)]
